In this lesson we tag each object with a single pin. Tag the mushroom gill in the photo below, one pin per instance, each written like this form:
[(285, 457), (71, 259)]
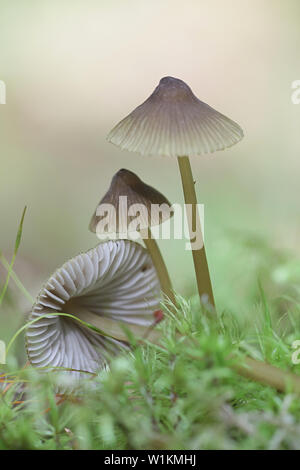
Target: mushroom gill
[(114, 282)]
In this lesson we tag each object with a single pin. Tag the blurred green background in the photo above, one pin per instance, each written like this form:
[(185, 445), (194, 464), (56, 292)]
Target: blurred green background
[(73, 69)]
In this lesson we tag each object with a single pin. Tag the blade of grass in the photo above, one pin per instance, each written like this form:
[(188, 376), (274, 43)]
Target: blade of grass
[(266, 311), (61, 314), (17, 244), (268, 375), (14, 276)]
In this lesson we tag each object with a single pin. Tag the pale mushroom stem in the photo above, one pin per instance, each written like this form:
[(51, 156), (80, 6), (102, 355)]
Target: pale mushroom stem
[(159, 264), (199, 255)]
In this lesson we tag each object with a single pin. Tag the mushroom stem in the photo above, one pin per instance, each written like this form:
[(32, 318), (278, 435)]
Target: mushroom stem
[(199, 255), (159, 264)]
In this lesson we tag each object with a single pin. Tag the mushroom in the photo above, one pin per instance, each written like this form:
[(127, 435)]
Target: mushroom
[(174, 122), (127, 196), (109, 286)]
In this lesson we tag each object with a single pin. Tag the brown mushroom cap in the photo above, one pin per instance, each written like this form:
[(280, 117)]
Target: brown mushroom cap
[(174, 122), (126, 183)]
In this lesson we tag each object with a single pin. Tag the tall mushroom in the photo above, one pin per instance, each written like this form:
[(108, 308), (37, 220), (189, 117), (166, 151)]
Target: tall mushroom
[(127, 197), (174, 122), (110, 285)]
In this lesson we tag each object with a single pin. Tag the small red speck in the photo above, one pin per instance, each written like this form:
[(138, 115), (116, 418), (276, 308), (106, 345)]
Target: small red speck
[(158, 315)]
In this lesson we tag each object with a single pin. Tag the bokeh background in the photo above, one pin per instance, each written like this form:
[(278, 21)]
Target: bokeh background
[(73, 69)]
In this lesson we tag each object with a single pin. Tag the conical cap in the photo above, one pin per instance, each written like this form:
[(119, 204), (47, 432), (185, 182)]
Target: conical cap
[(174, 122), (127, 191)]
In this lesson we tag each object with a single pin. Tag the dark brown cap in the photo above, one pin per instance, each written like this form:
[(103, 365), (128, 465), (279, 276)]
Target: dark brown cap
[(125, 192), (174, 122)]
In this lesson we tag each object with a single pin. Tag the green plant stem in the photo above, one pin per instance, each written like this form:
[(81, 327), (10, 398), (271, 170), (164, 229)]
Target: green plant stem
[(90, 326), (14, 276), (17, 244), (268, 375)]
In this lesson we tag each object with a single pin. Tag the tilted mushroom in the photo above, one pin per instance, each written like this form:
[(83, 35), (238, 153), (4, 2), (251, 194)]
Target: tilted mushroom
[(109, 286), (174, 122), (127, 195)]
